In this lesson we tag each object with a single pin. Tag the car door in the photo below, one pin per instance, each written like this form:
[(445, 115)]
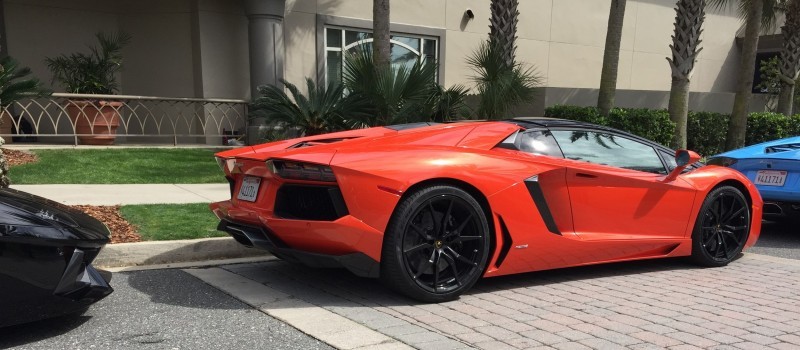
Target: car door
[(617, 187)]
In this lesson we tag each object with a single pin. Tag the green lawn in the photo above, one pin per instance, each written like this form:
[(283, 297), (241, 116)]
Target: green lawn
[(162, 222), (120, 166)]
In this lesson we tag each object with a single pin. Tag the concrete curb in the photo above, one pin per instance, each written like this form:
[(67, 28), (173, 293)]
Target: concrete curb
[(170, 252)]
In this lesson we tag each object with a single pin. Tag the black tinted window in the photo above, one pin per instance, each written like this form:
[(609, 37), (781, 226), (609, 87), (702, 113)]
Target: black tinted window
[(608, 149)]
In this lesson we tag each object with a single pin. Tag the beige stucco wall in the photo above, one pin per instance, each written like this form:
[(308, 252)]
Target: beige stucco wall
[(199, 48), (36, 29), (179, 48), (562, 39), (158, 61), (223, 49)]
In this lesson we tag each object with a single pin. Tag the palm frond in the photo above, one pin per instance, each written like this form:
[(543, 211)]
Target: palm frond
[(16, 82), (500, 87), (770, 11)]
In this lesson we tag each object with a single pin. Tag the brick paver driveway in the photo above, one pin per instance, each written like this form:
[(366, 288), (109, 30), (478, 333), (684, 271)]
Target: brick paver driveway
[(752, 304)]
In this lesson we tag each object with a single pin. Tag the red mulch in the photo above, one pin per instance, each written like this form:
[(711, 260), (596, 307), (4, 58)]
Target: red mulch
[(121, 230), (16, 157)]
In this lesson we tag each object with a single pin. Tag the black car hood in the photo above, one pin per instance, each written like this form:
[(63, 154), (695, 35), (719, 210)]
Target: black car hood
[(23, 215)]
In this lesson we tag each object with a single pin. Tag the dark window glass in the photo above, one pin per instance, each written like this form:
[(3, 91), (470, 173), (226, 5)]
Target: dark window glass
[(334, 37), (608, 149), (353, 36), (334, 66), (429, 50), (670, 159)]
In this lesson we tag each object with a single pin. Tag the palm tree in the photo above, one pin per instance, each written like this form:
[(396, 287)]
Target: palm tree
[(501, 81), (608, 78), (380, 32), (790, 56), (758, 15), (325, 109), (503, 29), (16, 83), (394, 95), (501, 87), (689, 18)]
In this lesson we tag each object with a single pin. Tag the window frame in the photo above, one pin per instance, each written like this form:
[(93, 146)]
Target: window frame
[(326, 21), (345, 46)]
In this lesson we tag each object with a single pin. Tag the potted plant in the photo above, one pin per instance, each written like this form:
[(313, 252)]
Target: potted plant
[(93, 73), (15, 83)]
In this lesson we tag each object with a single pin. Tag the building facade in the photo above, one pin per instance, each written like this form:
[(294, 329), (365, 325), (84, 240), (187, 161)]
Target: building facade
[(225, 48)]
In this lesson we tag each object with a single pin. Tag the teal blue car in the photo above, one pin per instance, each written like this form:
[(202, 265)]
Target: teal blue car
[(774, 167)]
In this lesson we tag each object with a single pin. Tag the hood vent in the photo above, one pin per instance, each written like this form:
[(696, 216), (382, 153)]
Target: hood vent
[(310, 143), (782, 148)]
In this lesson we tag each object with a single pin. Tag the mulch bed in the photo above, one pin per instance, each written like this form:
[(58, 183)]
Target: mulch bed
[(16, 157), (121, 230)]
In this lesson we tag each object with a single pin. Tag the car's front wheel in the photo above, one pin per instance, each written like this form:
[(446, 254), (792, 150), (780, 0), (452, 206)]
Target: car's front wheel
[(436, 245), (722, 227)]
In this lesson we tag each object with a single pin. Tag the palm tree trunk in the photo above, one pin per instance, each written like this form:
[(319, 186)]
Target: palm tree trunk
[(744, 88), (689, 18), (503, 29), (786, 99), (380, 31), (608, 78), (679, 110), (790, 57)]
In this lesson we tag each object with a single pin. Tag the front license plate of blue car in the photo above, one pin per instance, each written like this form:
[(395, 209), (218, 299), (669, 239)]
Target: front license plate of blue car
[(249, 188), (771, 177)]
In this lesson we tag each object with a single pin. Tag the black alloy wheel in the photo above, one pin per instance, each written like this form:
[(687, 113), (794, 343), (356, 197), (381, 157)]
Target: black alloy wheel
[(722, 227), (437, 244)]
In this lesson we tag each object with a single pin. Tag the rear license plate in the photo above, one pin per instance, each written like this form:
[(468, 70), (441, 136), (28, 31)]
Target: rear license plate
[(771, 177), (249, 188)]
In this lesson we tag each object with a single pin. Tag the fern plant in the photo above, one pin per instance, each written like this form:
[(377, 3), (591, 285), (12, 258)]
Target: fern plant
[(95, 72)]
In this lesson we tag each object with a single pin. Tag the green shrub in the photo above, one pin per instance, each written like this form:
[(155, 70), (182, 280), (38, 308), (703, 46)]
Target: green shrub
[(706, 132), (584, 114), (763, 127), (652, 124), (794, 125)]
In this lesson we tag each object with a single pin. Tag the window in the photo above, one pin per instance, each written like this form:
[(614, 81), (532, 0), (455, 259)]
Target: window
[(608, 149), (405, 49), (536, 142)]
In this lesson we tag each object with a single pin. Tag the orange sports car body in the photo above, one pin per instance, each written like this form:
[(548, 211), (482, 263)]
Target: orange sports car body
[(430, 208)]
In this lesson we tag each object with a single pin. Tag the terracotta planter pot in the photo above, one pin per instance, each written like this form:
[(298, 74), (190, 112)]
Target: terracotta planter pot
[(97, 120)]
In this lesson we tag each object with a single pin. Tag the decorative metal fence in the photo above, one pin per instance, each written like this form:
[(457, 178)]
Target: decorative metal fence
[(70, 118)]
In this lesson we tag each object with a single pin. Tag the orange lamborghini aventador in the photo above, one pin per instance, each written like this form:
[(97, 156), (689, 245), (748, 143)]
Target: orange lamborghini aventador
[(431, 208)]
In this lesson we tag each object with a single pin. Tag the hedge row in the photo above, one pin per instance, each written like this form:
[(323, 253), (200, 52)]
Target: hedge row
[(706, 131)]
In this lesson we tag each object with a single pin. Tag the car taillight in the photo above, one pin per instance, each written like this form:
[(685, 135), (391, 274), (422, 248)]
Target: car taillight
[(301, 171), (722, 161)]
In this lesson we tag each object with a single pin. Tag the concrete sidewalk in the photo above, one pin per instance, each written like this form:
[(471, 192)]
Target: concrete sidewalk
[(130, 194)]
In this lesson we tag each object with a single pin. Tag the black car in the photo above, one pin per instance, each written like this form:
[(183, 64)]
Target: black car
[(46, 251)]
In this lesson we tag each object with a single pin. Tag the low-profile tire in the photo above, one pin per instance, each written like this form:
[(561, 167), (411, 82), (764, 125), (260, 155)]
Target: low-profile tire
[(722, 227), (436, 245)]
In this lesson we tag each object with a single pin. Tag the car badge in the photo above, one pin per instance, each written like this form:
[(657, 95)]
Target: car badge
[(45, 215)]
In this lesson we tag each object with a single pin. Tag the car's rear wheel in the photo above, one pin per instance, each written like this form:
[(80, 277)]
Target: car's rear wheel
[(722, 227), (436, 245)]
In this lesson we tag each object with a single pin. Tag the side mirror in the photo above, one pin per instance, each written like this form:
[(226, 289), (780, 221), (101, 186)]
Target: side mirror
[(683, 158)]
